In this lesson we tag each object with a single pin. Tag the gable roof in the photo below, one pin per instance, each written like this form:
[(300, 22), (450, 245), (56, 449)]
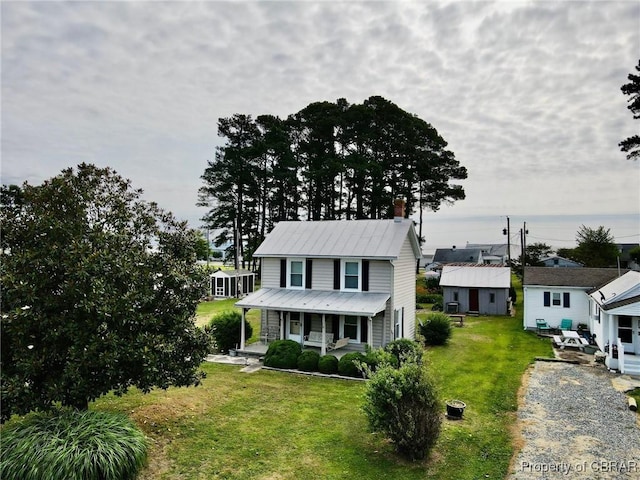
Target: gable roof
[(620, 291), (482, 276), (581, 277), (378, 239), (457, 255), (497, 249)]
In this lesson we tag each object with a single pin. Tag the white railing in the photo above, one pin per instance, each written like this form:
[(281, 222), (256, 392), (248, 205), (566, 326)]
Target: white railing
[(620, 355)]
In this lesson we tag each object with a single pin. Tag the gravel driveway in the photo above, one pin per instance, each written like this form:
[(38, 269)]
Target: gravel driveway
[(574, 424)]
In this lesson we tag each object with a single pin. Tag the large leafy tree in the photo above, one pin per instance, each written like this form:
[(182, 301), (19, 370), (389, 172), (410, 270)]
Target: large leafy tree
[(596, 247), (99, 291), (631, 145)]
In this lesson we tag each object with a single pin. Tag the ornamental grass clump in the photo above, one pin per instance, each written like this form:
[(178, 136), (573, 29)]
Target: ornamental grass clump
[(403, 404), (436, 329), (72, 445), (283, 354)]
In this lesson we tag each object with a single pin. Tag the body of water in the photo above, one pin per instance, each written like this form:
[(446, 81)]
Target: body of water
[(559, 231)]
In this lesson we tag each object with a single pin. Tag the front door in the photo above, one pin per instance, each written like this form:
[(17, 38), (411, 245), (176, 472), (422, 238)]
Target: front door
[(294, 327), (220, 287), (628, 333), (474, 303)]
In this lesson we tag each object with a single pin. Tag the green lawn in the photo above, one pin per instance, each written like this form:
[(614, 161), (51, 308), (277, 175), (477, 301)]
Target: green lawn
[(273, 425)]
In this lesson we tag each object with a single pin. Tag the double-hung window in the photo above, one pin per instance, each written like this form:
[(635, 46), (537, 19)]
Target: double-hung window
[(351, 276), (557, 299), (296, 274), (351, 328)]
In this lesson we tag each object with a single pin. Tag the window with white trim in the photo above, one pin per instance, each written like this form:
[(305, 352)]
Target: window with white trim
[(350, 327), (351, 275), (295, 279)]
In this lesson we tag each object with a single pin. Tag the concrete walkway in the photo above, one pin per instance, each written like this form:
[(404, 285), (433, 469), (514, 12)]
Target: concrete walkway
[(251, 364)]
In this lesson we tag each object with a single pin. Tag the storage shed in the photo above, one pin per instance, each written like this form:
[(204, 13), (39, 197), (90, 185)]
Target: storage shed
[(481, 289), (225, 283)]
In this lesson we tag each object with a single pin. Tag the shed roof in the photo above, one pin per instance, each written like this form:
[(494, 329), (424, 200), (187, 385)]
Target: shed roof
[(231, 273), (581, 277), (316, 301), (481, 276), (381, 239)]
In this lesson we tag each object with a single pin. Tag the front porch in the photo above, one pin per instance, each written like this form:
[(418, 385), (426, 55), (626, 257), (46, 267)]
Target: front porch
[(259, 349)]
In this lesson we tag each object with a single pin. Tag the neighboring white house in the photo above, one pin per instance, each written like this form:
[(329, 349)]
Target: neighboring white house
[(553, 294), (482, 289), (338, 279), (231, 283), (556, 261), (492, 253), (614, 318)]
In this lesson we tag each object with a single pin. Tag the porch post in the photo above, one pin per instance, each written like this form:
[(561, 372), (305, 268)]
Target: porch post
[(281, 325), (323, 348), (370, 332), (244, 312), (302, 330)]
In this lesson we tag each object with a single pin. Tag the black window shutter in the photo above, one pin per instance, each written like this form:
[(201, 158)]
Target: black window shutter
[(283, 273), (365, 275), (364, 329), (308, 273), (307, 323), (547, 299), (566, 299), (336, 274)]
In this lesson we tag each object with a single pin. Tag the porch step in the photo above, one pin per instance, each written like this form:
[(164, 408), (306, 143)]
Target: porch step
[(632, 365)]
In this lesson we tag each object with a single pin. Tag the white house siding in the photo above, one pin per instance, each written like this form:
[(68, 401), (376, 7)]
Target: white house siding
[(270, 272), (553, 315), (404, 272)]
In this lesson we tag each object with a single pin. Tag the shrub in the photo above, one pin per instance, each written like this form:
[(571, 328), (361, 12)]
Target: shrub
[(436, 329), (403, 404), (374, 358), (405, 350), (328, 364), (348, 365), (433, 284), (225, 329), (308, 361), (74, 445), (283, 354), (428, 298)]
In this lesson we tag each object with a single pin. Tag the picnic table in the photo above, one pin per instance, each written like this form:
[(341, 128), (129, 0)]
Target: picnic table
[(569, 338), (456, 317)]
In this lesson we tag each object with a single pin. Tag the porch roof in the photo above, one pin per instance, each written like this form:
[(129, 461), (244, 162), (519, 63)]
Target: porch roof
[(316, 301)]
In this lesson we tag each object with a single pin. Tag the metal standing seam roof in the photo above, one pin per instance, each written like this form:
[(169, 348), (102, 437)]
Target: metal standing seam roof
[(481, 276), (316, 301), (620, 289), (339, 239)]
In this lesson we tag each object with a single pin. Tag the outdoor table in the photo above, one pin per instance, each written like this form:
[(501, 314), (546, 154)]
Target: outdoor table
[(571, 339)]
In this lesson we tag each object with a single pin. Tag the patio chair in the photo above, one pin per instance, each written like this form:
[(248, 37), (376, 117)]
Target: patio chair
[(542, 326), (566, 324)]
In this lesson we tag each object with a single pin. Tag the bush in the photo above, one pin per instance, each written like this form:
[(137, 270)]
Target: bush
[(328, 364), (428, 298), (405, 350), (224, 328), (403, 404), (436, 329), (308, 361), (348, 365), (74, 445), (283, 354), (433, 284)]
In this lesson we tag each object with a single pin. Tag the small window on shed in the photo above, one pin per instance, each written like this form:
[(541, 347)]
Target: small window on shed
[(492, 298)]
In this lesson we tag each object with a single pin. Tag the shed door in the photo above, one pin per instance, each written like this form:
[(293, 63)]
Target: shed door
[(474, 304), (220, 287)]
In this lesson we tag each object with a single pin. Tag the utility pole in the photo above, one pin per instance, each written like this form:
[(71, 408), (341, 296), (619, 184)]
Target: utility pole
[(523, 243), (507, 232)]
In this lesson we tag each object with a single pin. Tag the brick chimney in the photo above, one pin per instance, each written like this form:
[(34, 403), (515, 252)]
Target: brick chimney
[(398, 210)]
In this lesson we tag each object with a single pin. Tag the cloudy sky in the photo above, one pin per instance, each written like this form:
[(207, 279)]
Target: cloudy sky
[(527, 94)]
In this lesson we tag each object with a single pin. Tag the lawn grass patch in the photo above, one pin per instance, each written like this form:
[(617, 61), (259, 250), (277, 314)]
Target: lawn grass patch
[(274, 425)]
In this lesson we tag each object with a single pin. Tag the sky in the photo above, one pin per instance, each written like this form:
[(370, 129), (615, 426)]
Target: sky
[(527, 95)]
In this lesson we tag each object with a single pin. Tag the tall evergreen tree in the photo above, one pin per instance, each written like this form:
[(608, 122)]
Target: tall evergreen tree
[(631, 145)]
